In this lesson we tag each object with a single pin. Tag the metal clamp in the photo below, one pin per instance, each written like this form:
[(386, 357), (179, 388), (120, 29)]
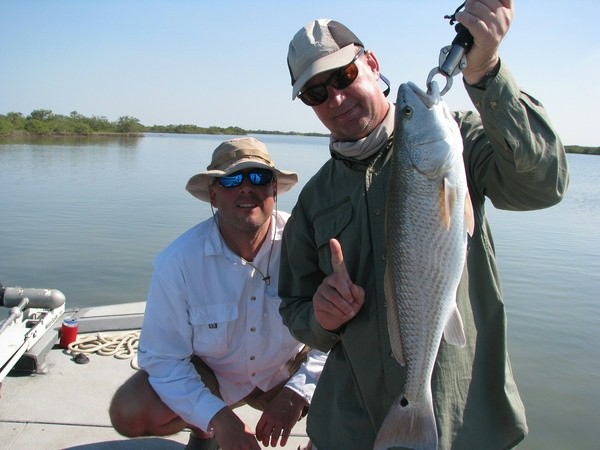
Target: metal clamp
[(452, 59)]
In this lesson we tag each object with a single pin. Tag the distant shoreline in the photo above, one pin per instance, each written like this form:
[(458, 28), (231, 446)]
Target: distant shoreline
[(578, 149), (44, 123)]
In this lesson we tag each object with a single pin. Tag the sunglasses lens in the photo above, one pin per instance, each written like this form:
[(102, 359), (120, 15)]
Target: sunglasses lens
[(257, 177), (344, 77), (231, 181), (314, 96), (260, 177), (340, 79)]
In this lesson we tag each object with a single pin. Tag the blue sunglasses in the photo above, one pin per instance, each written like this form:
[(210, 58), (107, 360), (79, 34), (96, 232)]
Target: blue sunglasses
[(257, 177)]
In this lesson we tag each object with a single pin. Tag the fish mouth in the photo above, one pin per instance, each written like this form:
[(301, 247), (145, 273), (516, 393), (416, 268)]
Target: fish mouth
[(429, 98)]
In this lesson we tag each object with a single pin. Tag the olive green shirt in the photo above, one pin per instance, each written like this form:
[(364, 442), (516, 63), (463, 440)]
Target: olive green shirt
[(517, 161)]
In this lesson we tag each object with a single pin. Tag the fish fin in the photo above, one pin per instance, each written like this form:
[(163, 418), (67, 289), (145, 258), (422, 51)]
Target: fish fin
[(392, 316), (469, 214), (454, 332), (408, 424), (449, 201)]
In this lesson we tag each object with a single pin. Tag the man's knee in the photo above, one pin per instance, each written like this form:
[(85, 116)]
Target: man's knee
[(123, 423), (126, 407), (137, 410)]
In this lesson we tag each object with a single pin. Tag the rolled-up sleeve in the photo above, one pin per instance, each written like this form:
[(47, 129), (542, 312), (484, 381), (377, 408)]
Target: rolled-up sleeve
[(516, 159), (304, 381)]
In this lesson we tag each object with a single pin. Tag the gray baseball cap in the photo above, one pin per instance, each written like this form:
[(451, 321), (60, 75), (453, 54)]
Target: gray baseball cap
[(319, 46)]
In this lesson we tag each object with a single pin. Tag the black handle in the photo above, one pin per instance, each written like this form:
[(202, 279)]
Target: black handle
[(463, 37)]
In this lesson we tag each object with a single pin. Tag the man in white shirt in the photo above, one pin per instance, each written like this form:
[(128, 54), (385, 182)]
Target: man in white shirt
[(212, 337)]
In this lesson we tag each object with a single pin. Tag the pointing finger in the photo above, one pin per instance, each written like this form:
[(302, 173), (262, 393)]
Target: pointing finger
[(337, 258)]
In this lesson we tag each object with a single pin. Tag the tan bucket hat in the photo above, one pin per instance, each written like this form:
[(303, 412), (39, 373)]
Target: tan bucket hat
[(235, 155)]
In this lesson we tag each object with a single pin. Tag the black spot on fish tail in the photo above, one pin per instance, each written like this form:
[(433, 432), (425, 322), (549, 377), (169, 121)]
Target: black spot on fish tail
[(403, 402)]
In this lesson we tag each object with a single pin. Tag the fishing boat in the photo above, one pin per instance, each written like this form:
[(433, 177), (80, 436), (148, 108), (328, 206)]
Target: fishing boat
[(54, 394)]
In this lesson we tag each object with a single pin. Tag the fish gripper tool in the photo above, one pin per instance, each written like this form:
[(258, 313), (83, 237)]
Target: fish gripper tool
[(453, 58)]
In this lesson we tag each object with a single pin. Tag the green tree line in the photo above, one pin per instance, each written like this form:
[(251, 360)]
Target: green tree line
[(43, 122), (582, 150)]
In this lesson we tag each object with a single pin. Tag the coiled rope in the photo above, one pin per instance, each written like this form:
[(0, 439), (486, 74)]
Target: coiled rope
[(122, 346)]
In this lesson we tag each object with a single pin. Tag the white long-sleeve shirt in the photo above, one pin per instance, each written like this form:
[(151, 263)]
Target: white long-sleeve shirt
[(207, 301)]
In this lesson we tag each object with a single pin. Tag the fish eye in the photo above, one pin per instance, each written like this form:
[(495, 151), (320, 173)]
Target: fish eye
[(407, 111)]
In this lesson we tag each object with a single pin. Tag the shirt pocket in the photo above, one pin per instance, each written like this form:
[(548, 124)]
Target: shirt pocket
[(210, 328), (329, 224)]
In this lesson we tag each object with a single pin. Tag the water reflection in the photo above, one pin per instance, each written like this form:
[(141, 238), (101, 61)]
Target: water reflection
[(75, 141)]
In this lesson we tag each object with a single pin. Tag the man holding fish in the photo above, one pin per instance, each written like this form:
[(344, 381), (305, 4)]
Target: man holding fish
[(411, 309)]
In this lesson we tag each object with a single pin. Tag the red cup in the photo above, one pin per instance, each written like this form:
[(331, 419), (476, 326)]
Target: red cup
[(68, 331)]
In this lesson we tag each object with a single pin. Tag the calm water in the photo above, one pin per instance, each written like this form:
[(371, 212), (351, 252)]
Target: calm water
[(88, 216)]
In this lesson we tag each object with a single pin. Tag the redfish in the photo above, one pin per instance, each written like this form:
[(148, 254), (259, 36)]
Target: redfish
[(428, 217)]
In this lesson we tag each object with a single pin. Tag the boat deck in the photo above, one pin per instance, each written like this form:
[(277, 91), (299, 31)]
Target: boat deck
[(67, 407)]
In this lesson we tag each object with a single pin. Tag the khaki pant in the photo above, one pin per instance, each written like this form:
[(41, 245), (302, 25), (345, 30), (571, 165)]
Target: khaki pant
[(258, 399)]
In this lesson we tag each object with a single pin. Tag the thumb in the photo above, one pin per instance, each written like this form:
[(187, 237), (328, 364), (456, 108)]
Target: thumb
[(337, 258)]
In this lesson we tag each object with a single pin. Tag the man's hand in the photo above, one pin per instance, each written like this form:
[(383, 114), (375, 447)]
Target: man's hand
[(231, 433), (488, 22), (279, 417), (337, 299)]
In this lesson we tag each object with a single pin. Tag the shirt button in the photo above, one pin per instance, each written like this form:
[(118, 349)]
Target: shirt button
[(253, 329), (253, 298), (253, 374), (252, 358), (382, 257), (377, 212)]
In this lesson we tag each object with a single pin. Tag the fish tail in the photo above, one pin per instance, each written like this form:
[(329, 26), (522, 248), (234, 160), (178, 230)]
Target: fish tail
[(408, 424)]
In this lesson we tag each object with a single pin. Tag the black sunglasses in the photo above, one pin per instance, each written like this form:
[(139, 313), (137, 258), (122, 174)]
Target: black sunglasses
[(339, 79), (257, 177)]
